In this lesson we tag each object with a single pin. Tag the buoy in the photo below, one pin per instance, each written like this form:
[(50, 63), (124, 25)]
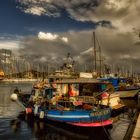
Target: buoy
[(36, 110), (14, 97), (28, 110), (104, 95), (41, 114)]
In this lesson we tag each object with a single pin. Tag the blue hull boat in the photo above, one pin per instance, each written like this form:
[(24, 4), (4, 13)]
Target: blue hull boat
[(82, 118), (79, 115), (67, 102)]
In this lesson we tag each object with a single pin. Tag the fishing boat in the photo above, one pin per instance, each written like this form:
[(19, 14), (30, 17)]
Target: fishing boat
[(124, 87), (128, 94), (82, 117), (69, 102)]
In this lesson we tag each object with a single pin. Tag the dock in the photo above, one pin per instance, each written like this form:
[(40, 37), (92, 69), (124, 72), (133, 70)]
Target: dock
[(136, 134)]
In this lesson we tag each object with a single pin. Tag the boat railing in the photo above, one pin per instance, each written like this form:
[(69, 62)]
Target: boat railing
[(96, 114), (86, 99), (76, 102)]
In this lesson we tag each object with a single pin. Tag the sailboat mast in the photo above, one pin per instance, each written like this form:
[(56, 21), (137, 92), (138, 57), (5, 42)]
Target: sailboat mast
[(100, 59), (94, 51)]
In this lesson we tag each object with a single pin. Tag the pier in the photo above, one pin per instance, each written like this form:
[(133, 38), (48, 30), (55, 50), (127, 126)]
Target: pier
[(136, 134)]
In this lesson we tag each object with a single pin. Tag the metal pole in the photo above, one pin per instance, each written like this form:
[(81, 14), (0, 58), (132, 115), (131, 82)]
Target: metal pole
[(94, 49)]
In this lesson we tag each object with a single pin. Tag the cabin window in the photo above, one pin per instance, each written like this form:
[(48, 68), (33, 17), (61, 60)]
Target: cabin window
[(103, 87), (89, 89), (49, 93), (73, 89)]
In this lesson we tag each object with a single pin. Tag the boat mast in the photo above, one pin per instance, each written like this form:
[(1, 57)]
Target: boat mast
[(97, 54), (100, 58), (94, 51)]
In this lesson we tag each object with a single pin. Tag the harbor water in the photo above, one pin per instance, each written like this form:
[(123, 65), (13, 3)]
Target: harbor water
[(13, 127)]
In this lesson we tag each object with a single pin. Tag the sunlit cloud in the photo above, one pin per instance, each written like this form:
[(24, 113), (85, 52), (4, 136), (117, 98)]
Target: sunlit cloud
[(35, 10), (39, 7), (43, 59), (51, 37), (47, 36), (87, 51), (9, 44), (65, 39)]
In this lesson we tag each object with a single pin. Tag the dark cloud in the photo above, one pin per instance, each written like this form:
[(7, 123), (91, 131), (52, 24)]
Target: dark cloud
[(115, 20), (113, 11), (47, 51), (89, 10), (137, 43), (115, 51)]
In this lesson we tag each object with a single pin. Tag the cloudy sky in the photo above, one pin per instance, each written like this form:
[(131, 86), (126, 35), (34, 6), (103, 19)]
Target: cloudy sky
[(46, 30)]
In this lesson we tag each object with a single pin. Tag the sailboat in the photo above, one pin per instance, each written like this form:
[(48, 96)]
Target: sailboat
[(109, 98)]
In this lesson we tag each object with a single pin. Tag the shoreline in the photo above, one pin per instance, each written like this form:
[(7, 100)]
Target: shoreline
[(19, 80)]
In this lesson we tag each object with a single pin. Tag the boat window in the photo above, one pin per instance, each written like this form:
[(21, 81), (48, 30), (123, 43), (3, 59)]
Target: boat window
[(49, 93), (73, 89), (103, 87), (89, 89)]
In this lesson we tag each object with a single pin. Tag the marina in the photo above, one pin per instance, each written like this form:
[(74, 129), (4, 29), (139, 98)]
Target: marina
[(80, 105), (69, 70)]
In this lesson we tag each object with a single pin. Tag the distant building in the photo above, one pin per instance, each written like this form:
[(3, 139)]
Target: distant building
[(1, 74), (5, 61), (5, 55)]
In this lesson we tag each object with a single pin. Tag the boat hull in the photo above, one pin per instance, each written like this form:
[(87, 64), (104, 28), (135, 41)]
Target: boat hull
[(94, 124), (81, 118)]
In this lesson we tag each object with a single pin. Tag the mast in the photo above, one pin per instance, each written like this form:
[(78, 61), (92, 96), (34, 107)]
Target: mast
[(100, 60), (94, 51), (97, 54)]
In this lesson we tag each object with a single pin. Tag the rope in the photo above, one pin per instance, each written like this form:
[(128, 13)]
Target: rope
[(102, 92), (109, 136)]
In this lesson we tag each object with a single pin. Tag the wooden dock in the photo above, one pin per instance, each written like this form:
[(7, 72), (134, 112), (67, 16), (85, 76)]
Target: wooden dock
[(136, 134)]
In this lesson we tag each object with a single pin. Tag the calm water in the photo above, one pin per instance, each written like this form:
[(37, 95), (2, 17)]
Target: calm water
[(14, 128)]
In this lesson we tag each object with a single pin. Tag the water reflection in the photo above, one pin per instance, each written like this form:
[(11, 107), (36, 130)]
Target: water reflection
[(15, 125), (51, 131), (42, 131)]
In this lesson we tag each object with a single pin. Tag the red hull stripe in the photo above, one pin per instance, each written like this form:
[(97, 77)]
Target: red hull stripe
[(96, 124)]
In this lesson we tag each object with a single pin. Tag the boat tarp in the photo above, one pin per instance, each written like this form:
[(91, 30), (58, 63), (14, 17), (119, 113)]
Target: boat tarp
[(129, 93)]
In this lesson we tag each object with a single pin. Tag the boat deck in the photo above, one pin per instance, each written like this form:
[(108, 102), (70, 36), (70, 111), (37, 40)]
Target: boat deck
[(118, 106)]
